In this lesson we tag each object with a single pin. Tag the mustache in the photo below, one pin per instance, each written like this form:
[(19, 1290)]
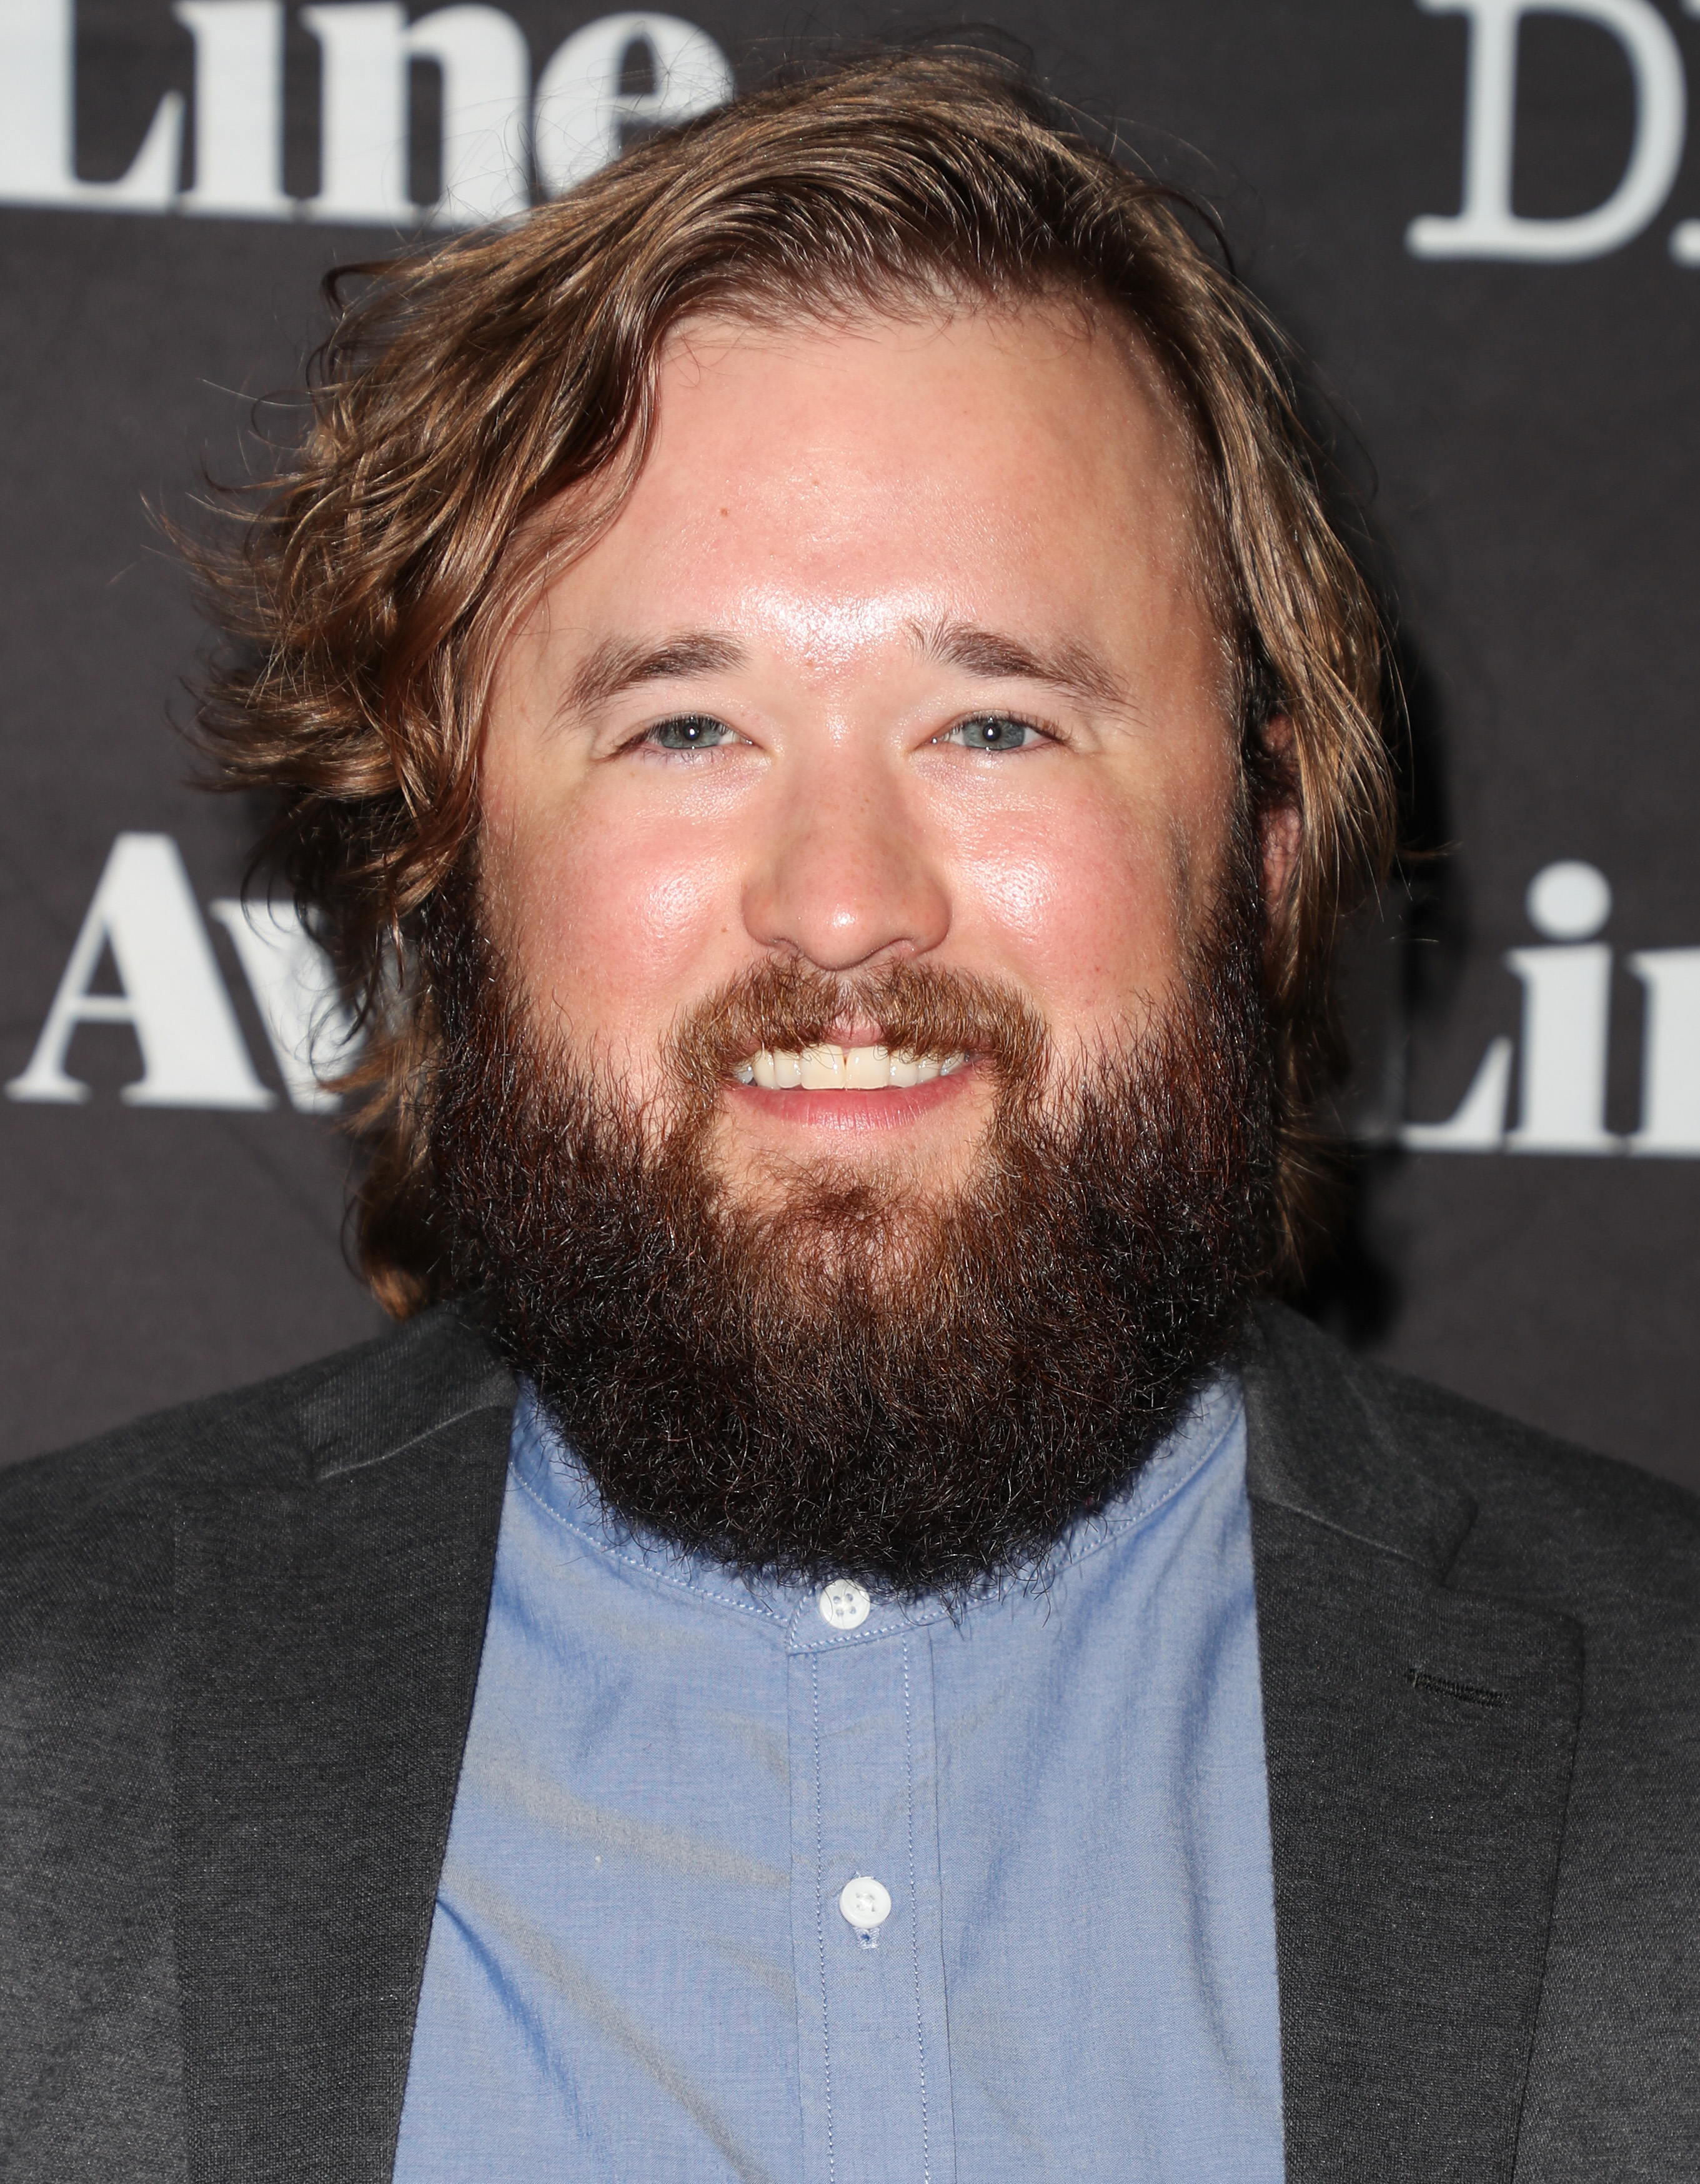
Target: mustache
[(920, 1008)]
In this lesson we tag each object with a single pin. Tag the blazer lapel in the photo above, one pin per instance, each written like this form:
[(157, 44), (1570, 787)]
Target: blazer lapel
[(329, 1621), (1419, 1745)]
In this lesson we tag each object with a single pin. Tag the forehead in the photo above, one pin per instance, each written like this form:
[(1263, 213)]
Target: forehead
[(841, 475)]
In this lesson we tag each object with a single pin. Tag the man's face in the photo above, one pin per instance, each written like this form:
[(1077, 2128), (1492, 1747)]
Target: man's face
[(883, 735), (896, 654)]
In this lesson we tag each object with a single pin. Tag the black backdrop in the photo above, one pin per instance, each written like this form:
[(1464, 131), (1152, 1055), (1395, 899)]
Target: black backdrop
[(1523, 377)]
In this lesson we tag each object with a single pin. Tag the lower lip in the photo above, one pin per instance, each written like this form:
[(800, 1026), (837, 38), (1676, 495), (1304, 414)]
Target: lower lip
[(892, 1109)]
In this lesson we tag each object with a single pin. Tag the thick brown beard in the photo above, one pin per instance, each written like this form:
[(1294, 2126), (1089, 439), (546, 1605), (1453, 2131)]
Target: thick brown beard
[(923, 1394)]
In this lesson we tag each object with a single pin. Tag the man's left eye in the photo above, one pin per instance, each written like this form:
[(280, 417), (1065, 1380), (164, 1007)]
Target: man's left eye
[(691, 732), (993, 732)]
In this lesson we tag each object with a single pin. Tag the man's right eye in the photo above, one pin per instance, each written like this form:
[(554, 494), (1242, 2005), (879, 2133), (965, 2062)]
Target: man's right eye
[(691, 732)]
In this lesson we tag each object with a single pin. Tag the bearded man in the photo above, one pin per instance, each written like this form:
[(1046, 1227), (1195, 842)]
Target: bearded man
[(815, 699)]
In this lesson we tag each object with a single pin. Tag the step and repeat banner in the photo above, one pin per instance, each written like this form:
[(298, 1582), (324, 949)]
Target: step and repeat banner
[(1482, 218)]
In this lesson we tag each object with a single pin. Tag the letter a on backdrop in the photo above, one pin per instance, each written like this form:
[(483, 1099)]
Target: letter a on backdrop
[(174, 999)]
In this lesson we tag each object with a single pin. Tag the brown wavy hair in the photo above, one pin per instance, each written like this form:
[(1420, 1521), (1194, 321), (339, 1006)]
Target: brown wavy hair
[(466, 387)]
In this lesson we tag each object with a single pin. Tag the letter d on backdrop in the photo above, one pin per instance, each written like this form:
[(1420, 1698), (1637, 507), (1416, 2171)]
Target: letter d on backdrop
[(1486, 226)]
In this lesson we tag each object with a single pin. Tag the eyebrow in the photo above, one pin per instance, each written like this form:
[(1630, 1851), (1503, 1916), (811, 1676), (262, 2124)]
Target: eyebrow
[(616, 664), (1072, 666), (619, 663)]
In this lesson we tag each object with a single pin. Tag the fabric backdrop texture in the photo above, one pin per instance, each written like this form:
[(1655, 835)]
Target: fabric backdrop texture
[(1483, 219)]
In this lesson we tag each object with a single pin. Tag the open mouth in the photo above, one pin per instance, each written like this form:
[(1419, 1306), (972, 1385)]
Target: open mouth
[(829, 1068)]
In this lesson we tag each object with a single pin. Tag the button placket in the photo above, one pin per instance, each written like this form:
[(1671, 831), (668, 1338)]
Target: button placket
[(866, 1916)]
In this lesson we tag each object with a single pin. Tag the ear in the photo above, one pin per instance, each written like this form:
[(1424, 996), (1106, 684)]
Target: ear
[(1281, 827)]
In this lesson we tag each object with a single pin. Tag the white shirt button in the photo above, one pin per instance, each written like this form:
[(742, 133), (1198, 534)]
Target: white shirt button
[(845, 1606), (865, 1903)]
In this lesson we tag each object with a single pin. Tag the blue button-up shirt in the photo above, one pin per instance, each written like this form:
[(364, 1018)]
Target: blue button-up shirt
[(640, 1965)]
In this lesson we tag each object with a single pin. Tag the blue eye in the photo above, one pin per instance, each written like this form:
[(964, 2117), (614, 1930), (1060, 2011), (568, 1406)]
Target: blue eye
[(691, 732), (993, 732)]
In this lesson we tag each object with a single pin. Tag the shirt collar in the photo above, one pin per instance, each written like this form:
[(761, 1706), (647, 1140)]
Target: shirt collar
[(545, 1466)]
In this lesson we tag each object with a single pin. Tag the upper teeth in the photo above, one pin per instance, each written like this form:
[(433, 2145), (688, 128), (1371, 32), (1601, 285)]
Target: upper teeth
[(847, 1068)]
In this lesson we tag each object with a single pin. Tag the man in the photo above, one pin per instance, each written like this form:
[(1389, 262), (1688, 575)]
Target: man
[(815, 699)]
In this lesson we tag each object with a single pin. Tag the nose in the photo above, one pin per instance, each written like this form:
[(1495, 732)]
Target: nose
[(846, 877)]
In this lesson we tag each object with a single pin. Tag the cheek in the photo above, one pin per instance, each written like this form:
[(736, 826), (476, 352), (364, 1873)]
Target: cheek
[(616, 927), (1084, 908)]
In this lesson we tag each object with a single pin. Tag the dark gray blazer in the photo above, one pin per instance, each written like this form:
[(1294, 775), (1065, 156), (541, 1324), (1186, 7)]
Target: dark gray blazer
[(237, 1650)]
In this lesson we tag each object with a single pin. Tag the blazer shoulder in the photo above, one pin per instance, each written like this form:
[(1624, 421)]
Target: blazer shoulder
[(1550, 1518), (375, 1394)]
